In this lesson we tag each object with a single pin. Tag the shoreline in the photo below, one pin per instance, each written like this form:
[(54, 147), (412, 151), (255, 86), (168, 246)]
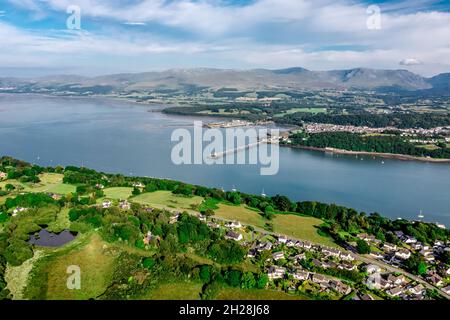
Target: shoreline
[(396, 156)]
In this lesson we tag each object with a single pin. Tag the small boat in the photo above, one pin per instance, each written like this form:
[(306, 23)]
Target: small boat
[(233, 189), (382, 162), (263, 194), (421, 216)]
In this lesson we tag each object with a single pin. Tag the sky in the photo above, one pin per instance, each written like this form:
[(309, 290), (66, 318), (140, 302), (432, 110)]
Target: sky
[(93, 37)]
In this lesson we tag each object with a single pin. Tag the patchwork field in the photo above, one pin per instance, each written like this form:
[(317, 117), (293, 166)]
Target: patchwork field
[(307, 110), (241, 213), (119, 193), (168, 200), (301, 228)]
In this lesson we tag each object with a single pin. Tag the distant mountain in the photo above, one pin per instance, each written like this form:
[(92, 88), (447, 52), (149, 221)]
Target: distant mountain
[(256, 79)]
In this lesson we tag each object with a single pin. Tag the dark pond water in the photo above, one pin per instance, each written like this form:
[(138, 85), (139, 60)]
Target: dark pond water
[(48, 239)]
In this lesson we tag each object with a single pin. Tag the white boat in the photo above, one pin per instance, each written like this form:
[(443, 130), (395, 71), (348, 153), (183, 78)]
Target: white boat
[(233, 189), (421, 216), (263, 194)]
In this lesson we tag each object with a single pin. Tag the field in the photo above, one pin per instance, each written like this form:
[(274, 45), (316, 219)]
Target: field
[(50, 182), (119, 193), (307, 110), (167, 200), (300, 228), (175, 291), (244, 215), (255, 294), (96, 264)]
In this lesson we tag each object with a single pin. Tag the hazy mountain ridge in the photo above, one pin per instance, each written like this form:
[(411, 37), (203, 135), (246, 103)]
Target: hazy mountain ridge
[(256, 79)]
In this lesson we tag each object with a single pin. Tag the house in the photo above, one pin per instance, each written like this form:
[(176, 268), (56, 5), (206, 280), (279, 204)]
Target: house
[(300, 275), (282, 239), (299, 244), (409, 239), (276, 272), (149, 237), (264, 246), (213, 225), (173, 219), (278, 256), (375, 281), (396, 280), (399, 234), (446, 289), (389, 247), (307, 245), (106, 204), (339, 287), (300, 256), (331, 252), (233, 235), (366, 297), (436, 280), (138, 185), (419, 289), (124, 205), (430, 258), (377, 255), (201, 217), (395, 291), (317, 263), (234, 225), (290, 243), (417, 246), (3, 175), (372, 268), (318, 278), (347, 266), (403, 254), (99, 186), (251, 253), (18, 210), (346, 256)]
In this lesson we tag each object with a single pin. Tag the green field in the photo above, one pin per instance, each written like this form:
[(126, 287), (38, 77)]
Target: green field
[(175, 291), (168, 200), (241, 213), (96, 264), (301, 228), (50, 182), (255, 294), (118, 193), (306, 110)]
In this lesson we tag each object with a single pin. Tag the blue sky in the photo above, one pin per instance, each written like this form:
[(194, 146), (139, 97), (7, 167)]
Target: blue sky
[(142, 35)]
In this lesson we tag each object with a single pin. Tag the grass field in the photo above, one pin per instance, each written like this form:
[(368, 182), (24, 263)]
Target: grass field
[(119, 193), (175, 291), (307, 110), (244, 215), (255, 294), (50, 182), (301, 228), (96, 265), (168, 200)]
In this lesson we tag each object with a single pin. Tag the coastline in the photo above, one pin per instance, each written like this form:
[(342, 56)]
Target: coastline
[(367, 153)]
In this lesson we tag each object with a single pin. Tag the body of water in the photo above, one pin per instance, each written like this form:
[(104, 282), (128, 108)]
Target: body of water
[(49, 239), (122, 137)]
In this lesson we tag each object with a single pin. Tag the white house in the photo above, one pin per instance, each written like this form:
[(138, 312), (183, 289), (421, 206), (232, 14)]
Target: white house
[(106, 204), (403, 254), (446, 289), (389, 247), (372, 268), (282, 239), (409, 240), (234, 224), (276, 272), (300, 275), (395, 291), (234, 236), (346, 256), (278, 256), (419, 289)]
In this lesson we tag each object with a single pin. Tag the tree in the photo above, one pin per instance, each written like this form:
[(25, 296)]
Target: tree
[(262, 281), (9, 187), (362, 247), (233, 278), (205, 273), (136, 191), (248, 280)]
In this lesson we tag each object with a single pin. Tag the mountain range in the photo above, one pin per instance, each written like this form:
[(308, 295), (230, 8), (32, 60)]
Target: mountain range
[(257, 79)]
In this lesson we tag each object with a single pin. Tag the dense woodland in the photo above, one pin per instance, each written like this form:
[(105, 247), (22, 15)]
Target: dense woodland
[(370, 143)]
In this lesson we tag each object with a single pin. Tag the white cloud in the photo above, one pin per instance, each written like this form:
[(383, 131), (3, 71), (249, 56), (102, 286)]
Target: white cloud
[(301, 31), (410, 62)]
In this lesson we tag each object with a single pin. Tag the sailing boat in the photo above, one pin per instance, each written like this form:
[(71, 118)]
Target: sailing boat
[(234, 188), (263, 194), (421, 216)]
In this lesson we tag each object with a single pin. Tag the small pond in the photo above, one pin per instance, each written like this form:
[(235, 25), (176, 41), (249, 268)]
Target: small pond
[(48, 239)]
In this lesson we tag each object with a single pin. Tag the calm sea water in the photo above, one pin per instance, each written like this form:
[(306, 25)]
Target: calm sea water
[(122, 137)]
